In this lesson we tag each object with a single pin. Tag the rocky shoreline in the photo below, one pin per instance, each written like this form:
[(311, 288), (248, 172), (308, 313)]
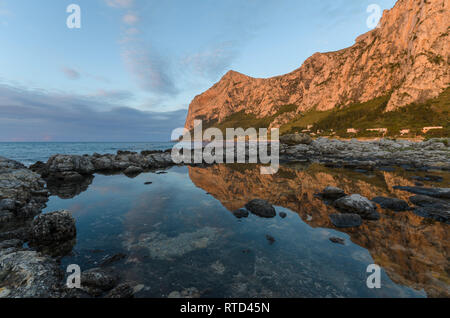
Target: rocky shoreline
[(33, 271)]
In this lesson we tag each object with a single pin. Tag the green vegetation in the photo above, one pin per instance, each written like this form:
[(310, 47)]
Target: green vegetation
[(372, 114)]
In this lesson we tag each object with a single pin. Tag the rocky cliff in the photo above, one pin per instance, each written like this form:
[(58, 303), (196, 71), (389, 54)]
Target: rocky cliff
[(407, 56)]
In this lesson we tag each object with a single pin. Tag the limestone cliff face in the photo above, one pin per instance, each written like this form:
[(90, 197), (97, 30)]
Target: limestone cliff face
[(408, 55)]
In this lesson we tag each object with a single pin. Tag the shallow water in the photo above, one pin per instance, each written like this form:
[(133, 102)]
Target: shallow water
[(179, 235)]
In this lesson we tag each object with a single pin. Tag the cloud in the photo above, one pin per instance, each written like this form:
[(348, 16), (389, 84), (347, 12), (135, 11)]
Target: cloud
[(212, 62), (120, 3), (130, 18), (114, 95), (150, 69), (71, 73), (37, 115)]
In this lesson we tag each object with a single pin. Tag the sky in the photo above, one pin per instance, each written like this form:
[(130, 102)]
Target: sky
[(132, 68)]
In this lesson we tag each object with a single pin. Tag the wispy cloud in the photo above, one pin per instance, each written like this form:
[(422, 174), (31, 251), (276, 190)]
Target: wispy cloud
[(130, 19), (120, 3), (71, 73), (39, 115), (212, 62)]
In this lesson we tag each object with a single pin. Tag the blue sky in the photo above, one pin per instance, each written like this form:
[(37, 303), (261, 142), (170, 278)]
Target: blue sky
[(132, 69)]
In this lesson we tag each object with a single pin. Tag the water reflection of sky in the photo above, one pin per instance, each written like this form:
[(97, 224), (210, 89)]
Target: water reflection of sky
[(178, 236)]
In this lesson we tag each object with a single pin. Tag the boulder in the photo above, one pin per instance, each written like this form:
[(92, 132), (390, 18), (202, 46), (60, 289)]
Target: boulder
[(61, 165), (296, 139), (358, 204), (53, 227), (441, 193), (392, 203), (96, 281), (261, 208), (282, 215), (332, 193), (133, 170), (241, 213), (345, 220)]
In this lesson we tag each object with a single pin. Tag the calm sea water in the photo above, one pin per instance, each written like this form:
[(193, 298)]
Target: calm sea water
[(179, 235), (30, 152)]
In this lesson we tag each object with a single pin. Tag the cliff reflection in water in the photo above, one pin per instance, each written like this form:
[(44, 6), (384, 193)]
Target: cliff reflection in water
[(412, 250)]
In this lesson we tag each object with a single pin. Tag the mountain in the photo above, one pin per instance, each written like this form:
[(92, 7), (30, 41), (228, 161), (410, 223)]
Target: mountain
[(404, 60)]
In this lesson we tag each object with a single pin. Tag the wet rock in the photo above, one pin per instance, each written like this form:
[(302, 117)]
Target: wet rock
[(53, 227), (7, 204), (433, 213), (133, 170), (332, 193), (283, 215), (69, 167), (53, 233), (112, 259), (337, 240), (261, 208), (296, 139), (28, 274), (148, 183), (69, 189), (392, 203), (241, 213), (97, 280), (426, 201), (124, 290), (443, 193), (270, 238), (187, 293), (346, 220), (358, 204), (11, 243)]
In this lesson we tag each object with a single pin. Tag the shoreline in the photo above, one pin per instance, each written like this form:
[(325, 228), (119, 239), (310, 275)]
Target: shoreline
[(24, 192)]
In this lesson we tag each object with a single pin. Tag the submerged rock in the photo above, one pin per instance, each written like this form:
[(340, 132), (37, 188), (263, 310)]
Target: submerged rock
[(337, 240), (98, 280), (261, 208), (241, 213), (283, 215), (358, 204), (442, 193), (112, 259), (124, 290), (133, 170), (345, 220), (392, 203), (332, 193)]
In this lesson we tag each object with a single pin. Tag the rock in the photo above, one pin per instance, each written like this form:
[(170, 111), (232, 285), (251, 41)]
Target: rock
[(337, 240), (112, 259), (133, 170), (124, 290), (270, 238), (261, 208), (426, 201), (7, 204), (332, 193), (97, 280), (11, 243), (443, 193), (148, 183), (187, 293), (296, 139), (392, 203), (282, 215), (358, 204), (40, 168), (28, 274), (433, 213), (53, 227), (241, 213), (345, 220), (69, 166)]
